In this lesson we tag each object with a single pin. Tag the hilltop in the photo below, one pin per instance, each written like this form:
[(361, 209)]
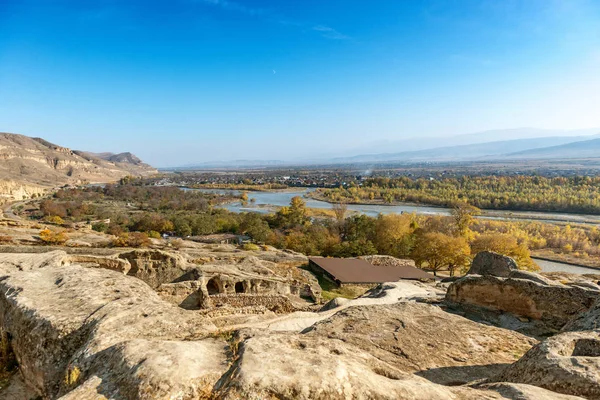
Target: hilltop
[(29, 165)]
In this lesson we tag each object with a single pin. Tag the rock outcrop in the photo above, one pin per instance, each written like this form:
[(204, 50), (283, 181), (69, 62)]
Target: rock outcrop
[(460, 352), (94, 332), (155, 266), (553, 304), (489, 263), (587, 321), (568, 363), (64, 321), (311, 366), (31, 165)]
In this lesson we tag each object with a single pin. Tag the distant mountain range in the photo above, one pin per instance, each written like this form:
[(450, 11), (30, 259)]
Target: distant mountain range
[(498, 135), (465, 152), (511, 144), (579, 149)]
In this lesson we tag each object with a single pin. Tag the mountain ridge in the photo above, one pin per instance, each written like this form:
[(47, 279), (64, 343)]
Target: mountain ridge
[(31, 165)]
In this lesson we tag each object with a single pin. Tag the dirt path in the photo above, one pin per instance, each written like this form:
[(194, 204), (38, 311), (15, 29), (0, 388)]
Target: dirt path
[(8, 210), (391, 293)]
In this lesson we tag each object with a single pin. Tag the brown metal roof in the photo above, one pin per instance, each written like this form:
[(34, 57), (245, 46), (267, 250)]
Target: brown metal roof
[(353, 270)]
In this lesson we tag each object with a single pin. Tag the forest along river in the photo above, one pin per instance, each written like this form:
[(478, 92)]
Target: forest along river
[(265, 201)]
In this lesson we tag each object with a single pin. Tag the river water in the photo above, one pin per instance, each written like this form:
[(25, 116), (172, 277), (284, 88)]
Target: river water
[(553, 266), (264, 201)]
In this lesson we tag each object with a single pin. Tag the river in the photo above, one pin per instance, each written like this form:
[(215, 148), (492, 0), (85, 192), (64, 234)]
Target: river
[(264, 201), (553, 266)]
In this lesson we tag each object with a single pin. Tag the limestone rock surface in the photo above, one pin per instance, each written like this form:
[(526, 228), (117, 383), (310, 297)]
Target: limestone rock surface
[(567, 363), (587, 321), (555, 305), (423, 339), (62, 319)]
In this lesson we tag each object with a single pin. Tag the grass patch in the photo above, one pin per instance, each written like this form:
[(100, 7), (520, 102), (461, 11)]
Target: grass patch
[(330, 290)]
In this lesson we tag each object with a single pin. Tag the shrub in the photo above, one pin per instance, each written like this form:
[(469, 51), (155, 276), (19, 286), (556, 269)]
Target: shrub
[(250, 247), (153, 234), (100, 227), (53, 237), (131, 239), (54, 219)]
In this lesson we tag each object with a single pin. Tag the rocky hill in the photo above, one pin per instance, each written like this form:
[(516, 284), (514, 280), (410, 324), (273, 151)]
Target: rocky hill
[(30, 165), (126, 157)]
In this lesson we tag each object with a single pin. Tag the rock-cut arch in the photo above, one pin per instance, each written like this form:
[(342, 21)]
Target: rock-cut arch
[(212, 287)]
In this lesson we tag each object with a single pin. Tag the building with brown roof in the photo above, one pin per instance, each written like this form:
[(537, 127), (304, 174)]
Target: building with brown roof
[(356, 271)]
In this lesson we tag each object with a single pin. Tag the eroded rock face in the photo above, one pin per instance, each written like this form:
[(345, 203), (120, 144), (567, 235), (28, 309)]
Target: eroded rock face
[(489, 263), (155, 266), (62, 318), (555, 305), (568, 363), (587, 321), (423, 339)]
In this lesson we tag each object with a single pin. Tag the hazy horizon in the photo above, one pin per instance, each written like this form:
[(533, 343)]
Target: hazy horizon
[(193, 81)]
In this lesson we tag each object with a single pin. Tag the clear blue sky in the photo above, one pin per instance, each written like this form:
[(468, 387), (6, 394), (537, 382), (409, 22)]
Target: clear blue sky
[(184, 81)]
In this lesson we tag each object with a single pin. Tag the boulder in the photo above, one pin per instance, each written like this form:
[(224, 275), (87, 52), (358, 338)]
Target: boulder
[(494, 264), (460, 352), (567, 363), (555, 305)]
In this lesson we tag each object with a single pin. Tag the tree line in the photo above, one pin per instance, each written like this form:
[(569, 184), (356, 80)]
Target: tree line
[(579, 194)]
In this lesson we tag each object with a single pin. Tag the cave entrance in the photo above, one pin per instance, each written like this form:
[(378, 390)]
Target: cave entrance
[(212, 287), (239, 287)]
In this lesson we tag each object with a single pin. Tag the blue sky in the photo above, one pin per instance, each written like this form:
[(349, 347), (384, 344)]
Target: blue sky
[(186, 81)]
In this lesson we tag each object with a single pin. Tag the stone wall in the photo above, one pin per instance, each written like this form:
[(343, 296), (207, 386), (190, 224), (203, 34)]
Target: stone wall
[(114, 264), (275, 303)]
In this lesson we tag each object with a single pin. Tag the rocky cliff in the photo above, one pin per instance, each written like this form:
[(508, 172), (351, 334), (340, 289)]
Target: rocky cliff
[(30, 165)]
